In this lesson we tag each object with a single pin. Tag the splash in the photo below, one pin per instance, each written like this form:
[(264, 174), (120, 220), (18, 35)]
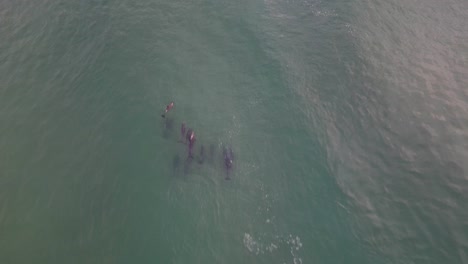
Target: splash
[(252, 245), (256, 247)]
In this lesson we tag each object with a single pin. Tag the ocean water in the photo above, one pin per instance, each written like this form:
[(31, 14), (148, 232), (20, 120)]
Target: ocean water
[(348, 121)]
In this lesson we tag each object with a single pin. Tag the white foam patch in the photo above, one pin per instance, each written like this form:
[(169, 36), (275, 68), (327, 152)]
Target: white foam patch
[(292, 242), (251, 244), (295, 245), (272, 247)]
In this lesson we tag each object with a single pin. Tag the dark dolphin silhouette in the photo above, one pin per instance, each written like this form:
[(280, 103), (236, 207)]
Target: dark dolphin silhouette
[(228, 160), (175, 164), (201, 158), (168, 127), (168, 107), (188, 134), (182, 133), (212, 152), (191, 139)]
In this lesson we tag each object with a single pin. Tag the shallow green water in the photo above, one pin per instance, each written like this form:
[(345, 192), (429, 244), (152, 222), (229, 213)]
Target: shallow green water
[(348, 122)]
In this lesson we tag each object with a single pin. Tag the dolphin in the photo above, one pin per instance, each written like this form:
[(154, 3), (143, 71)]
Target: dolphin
[(188, 134), (228, 160), (182, 133), (191, 138), (168, 127), (191, 144), (211, 153), (175, 164), (201, 158), (168, 107)]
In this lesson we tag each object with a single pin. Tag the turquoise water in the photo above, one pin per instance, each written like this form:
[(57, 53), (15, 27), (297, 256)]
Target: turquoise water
[(348, 122)]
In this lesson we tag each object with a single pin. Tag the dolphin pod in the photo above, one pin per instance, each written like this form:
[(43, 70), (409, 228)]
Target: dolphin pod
[(187, 135)]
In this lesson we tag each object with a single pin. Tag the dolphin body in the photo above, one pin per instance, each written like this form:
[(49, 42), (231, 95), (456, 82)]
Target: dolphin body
[(201, 158), (211, 153), (228, 160), (190, 136), (175, 164), (182, 133), (168, 107), (168, 127)]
